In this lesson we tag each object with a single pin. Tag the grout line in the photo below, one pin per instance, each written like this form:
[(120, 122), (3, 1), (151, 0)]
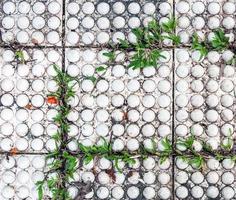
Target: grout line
[(81, 153), (63, 34), (77, 46), (23, 153), (173, 123), (173, 112)]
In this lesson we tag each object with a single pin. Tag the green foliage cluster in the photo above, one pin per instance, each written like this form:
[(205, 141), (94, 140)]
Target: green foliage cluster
[(149, 39), (219, 42), (198, 159), (62, 165), (147, 51), (105, 150)]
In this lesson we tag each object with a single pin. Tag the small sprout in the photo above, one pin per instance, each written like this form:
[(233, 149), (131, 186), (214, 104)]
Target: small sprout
[(87, 159), (197, 161), (219, 157), (233, 158), (230, 132), (227, 144), (199, 46), (166, 144), (56, 136), (220, 41), (184, 158), (126, 157), (207, 147), (232, 61), (20, 56), (154, 27), (116, 164), (169, 26), (187, 143), (139, 33)]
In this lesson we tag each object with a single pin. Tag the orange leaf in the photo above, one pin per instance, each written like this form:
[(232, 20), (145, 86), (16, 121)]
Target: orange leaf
[(13, 151), (52, 100), (29, 106)]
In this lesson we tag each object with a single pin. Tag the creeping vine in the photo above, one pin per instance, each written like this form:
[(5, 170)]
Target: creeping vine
[(146, 51)]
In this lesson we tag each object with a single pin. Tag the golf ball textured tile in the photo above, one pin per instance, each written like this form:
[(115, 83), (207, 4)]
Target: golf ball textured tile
[(203, 17), (31, 22), (185, 95), (101, 22), (26, 114), (19, 175), (216, 181), (124, 104), (204, 93), (146, 179)]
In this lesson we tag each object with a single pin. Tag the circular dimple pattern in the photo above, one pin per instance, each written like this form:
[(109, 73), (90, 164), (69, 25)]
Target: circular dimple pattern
[(24, 23), (196, 16), (20, 173), (203, 94), (139, 102), (120, 88), (26, 86), (104, 21)]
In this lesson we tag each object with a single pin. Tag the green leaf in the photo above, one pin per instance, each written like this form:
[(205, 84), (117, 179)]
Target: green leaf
[(100, 69), (154, 147), (56, 137), (83, 148), (206, 147), (197, 161), (199, 46), (169, 26), (219, 157), (174, 38), (51, 183), (110, 55), (39, 185), (167, 145), (20, 56), (91, 78), (123, 44), (230, 132), (117, 165), (153, 25), (163, 159), (139, 33), (87, 159)]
